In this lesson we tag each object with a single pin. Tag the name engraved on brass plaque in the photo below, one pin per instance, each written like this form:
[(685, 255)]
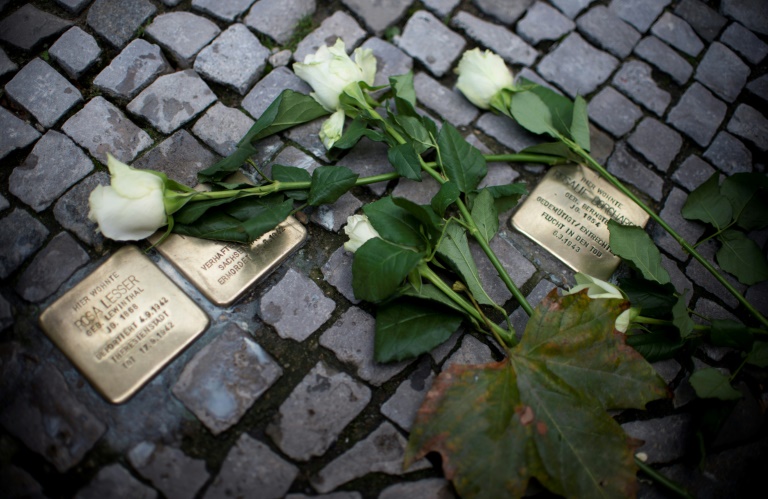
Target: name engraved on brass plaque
[(568, 214), (123, 323), (224, 271)]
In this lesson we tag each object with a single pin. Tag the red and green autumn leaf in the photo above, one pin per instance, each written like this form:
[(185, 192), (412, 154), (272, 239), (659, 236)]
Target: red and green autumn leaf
[(541, 413)]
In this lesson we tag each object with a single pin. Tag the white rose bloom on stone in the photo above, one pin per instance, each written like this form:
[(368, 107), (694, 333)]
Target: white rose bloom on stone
[(359, 230), (598, 289), (332, 129), (481, 76), (131, 207)]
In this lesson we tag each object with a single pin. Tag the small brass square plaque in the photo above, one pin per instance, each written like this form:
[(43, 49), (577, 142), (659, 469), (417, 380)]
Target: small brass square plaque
[(224, 271), (568, 213), (123, 323)]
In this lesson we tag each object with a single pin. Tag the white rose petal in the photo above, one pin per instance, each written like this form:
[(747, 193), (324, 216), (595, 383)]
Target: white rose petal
[(359, 230), (332, 129), (481, 76)]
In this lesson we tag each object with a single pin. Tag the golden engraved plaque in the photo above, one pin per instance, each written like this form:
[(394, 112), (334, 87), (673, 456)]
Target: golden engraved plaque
[(123, 323), (568, 213), (223, 271)]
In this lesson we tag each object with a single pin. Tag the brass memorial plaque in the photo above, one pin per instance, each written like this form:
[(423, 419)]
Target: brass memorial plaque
[(568, 213), (123, 323), (223, 271)]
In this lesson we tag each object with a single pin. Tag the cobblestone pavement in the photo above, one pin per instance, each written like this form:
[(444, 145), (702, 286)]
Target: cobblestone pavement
[(280, 395)]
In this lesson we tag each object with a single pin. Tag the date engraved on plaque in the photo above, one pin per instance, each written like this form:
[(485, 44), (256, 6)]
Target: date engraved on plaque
[(568, 214), (123, 323)]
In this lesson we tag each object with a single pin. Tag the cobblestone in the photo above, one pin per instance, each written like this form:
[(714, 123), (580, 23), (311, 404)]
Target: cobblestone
[(51, 267), (576, 66), (571, 8), (704, 20), (746, 43), (368, 158), (4, 203), (432, 488), (603, 27), (332, 217), (698, 274), (226, 10), (222, 127), (722, 71), (690, 231), (6, 64), (692, 172), (183, 34), (658, 143), (729, 154), (519, 318), (317, 411), (641, 16), (71, 210), (627, 168), (16, 133), (505, 10), (269, 87), (236, 59), (499, 39), (53, 166), (441, 7), (614, 112), (170, 470), (665, 438), (294, 157), (542, 22), (378, 16), (471, 352), (42, 91), (401, 407), (749, 124), (138, 65), (73, 6), (75, 51), (678, 33), (118, 20), (337, 271), (29, 26), (636, 81), (390, 60), (450, 104), (116, 480), (339, 25), (296, 307), (698, 114), (427, 39), (225, 378), (519, 268), (278, 18), (750, 13), (506, 131), (664, 58), (180, 156), (21, 236)]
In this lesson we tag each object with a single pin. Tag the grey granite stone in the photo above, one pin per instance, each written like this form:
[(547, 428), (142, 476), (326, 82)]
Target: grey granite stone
[(519, 318), (42, 91), (471, 352), (317, 411), (667, 369), (507, 132), (269, 87), (698, 114), (27, 27), (542, 22), (658, 143), (506, 11), (171, 471), (497, 38), (571, 8), (60, 258), (40, 410), (722, 71), (235, 59), (750, 13), (6, 314), (294, 157), (6, 64), (440, 352), (54, 165), (332, 495), (280, 58), (748, 123), (441, 7), (333, 216), (401, 407), (378, 16), (368, 158), (692, 172), (689, 230), (601, 26), (634, 78), (73, 6), (16, 133), (183, 34), (101, 128), (114, 480), (450, 104), (665, 438), (702, 277), (704, 20), (71, 210), (337, 272), (627, 168), (21, 235), (172, 100), (351, 339), (307, 136), (427, 39), (75, 51), (278, 19), (222, 127), (138, 65), (390, 60), (428, 488), (338, 25), (252, 469), (745, 43), (518, 267), (226, 10), (601, 144), (678, 33), (729, 154), (180, 156), (382, 451), (225, 378), (639, 14), (664, 58), (118, 20), (576, 66), (4, 203), (757, 295), (17, 483), (418, 192), (614, 112), (296, 307)]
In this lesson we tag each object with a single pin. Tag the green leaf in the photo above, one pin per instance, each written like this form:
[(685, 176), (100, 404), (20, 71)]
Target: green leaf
[(432, 293), (356, 130), (506, 196), (680, 318), (394, 223), (727, 333), (485, 215), (656, 345), (463, 163), (191, 212), (553, 149), (445, 197), (542, 110), (654, 299), (542, 412), (292, 174), (747, 194), (416, 131), (405, 160), (633, 244), (405, 330), (706, 203), (741, 256), (454, 250), (379, 268), (425, 215), (244, 221), (709, 383), (580, 123), (403, 87), (758, 356), (329, 183)]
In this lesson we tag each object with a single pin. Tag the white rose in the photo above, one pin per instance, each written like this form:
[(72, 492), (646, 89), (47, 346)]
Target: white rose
[(597, 289), (131, 208), (332, 129), (329, 70), (359, 230), (481, 76)]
